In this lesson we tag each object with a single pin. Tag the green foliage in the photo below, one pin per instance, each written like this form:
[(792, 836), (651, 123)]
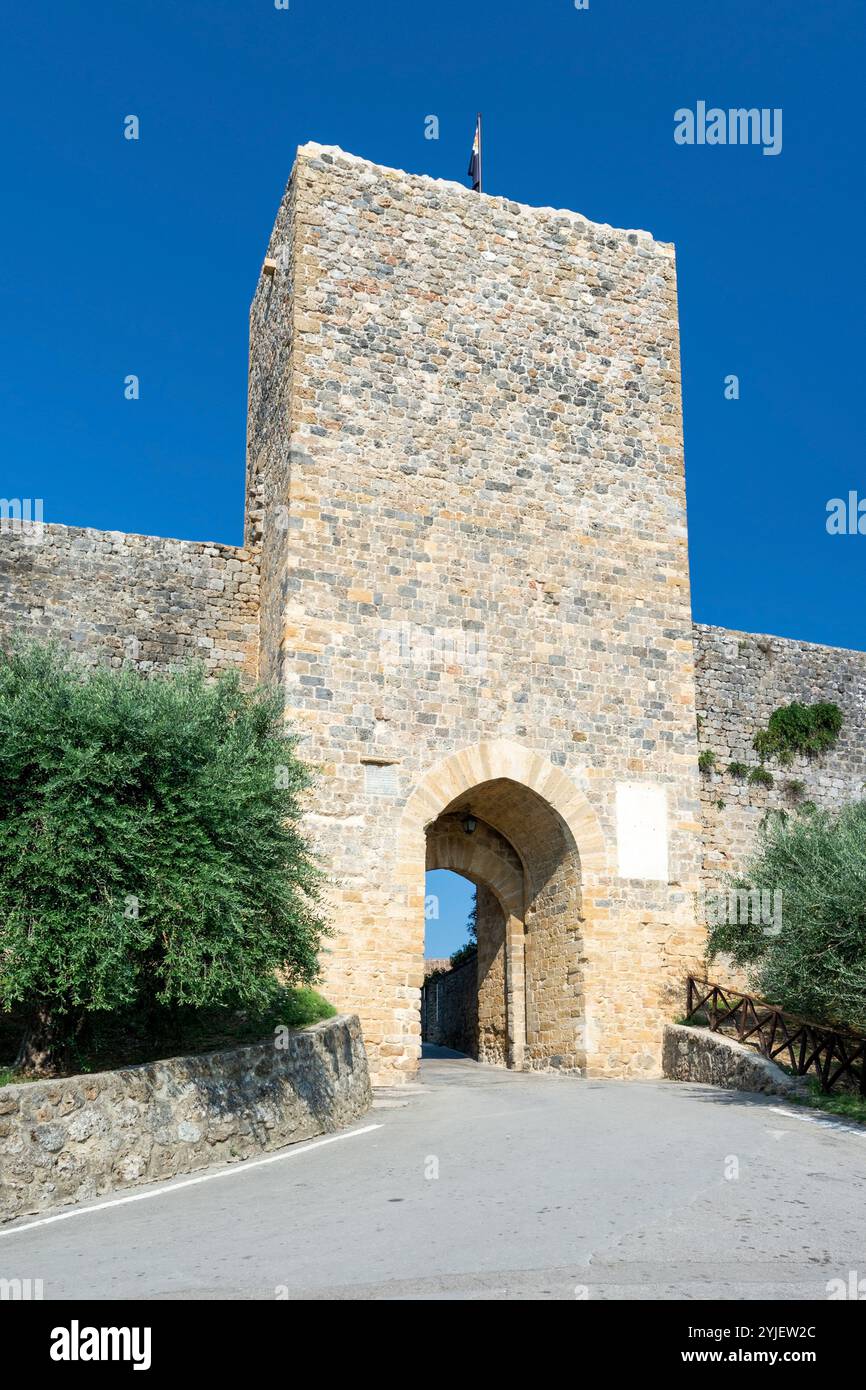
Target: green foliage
[(845, 1104), (760, 777), (738, 769), (464, 953), (150, 853), (706, 760), (797, 728), (816, 965), (107, 1041), (298, 1008), (470, 947)]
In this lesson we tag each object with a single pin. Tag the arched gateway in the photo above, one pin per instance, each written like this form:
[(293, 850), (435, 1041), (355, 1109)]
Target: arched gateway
[(535, 846), (465, 482)]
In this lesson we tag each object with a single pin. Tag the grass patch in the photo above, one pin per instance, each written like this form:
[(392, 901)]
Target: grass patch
[(760, 777), (111, 1042), (8, 1077), (847, 1105)]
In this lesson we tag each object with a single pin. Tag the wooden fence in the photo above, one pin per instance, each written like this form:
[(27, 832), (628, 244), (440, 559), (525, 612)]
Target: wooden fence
[(830, 1054)]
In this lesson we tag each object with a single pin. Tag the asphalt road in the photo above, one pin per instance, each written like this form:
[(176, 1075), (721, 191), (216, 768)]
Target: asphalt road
[(486, 1184)]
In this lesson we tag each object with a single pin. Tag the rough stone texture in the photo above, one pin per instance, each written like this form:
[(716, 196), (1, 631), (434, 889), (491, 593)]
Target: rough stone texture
[(465, 467), (466, 533), (741, 679), (696, 1054), (449, 1008), (131, 600), (75, 1139), (490, 988)]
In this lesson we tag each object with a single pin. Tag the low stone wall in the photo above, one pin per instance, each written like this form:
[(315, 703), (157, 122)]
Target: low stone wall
[(697, 1054), (80, 1137)]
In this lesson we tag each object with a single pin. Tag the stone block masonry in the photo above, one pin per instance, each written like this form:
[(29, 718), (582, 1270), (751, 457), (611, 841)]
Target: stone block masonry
[(712, 1059), (449, 1008), (80, 1137), (130, 600), (741, 679), (465, 472), (466, 570)]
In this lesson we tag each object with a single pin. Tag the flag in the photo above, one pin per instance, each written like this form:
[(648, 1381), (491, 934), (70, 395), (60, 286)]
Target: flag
[(475, 158)]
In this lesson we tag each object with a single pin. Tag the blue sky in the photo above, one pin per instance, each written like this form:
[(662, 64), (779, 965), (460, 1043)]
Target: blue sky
[(449, 900), (141, 257)]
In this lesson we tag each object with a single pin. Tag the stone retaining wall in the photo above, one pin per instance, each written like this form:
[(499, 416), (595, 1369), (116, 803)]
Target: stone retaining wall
[(697, 1054), (77, 1138)]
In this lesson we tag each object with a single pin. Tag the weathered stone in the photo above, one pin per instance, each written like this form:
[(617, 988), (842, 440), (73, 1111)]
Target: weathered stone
[(137, 601), (697, 1054), (210, 1109)]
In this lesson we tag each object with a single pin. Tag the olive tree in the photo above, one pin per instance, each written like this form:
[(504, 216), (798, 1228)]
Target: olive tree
[(150, 848)]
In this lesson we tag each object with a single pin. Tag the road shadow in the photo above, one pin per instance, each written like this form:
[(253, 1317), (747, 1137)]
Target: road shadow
[(431, 1052)]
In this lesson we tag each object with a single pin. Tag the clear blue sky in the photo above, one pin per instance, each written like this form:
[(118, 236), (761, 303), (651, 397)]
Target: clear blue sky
[(141, 257), (449, 901)]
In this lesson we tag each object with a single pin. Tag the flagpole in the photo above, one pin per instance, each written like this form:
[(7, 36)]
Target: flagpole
[(480, 156)]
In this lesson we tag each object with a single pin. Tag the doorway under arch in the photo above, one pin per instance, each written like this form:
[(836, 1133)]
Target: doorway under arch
[(464, 1000), (549, 823), (527, 990)]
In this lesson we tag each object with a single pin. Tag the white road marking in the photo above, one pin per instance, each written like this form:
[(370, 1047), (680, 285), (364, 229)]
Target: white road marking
[(821, 1123), (162, 1191)]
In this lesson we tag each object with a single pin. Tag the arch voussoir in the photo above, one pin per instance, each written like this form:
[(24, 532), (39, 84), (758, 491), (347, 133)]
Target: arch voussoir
[(494, 759)]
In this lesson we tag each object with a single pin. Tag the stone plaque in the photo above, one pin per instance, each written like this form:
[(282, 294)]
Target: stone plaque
[(642, 830), (380, 779)]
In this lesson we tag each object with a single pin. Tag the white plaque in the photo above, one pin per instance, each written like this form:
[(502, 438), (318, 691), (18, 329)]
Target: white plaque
[(380, 779), (642, 830)]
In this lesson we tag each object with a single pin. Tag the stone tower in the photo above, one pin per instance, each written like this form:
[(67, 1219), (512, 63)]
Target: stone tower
[(465, 476)]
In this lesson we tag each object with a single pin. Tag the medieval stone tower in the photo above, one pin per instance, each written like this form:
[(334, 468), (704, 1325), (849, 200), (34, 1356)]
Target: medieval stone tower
[(465, 479), (465, 567)]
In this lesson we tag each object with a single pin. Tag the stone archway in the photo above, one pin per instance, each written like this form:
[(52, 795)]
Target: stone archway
[(484, 857), (557, 849)]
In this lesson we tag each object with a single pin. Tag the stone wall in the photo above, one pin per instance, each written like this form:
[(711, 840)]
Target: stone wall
[(741, 679), (465, 447), (75, 1139), (711, 1059), (131, 600), (449, 1012), (490, 963)]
